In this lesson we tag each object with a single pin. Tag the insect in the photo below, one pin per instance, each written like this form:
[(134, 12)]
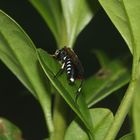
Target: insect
[(72, 65)]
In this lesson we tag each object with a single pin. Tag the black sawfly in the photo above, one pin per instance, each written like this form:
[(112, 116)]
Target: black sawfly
[(72, 65)]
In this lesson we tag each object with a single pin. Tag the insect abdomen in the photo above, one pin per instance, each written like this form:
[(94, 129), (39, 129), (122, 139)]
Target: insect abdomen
[(70, 70)]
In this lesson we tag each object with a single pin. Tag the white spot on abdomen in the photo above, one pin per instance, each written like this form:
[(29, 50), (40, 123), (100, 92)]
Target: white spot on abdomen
[(68, 68), (72, 79), (69, 65)]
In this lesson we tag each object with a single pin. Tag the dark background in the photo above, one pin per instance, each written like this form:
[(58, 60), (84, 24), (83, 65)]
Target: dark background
[(19, 106)]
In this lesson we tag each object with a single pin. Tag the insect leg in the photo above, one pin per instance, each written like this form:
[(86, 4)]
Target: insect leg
[(60, 71), (78, 92)]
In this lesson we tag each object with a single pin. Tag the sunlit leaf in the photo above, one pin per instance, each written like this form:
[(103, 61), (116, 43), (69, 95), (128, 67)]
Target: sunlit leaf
[(116, 11)]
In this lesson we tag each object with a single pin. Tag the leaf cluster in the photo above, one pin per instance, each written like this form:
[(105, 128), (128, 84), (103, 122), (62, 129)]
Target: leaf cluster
[(36, 69)]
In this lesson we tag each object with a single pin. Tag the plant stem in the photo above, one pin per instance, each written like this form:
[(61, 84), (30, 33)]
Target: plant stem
[(122, 111), (47, 114), (59, 118)]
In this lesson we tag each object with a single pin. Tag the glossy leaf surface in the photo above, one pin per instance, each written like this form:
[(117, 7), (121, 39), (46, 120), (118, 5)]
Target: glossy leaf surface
[(101, 118), (18, 53), (65, 18), (77, 14), (118, 15), (130, 13), (67, 91)]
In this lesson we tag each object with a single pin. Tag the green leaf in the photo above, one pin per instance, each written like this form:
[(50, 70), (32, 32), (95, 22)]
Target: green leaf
[(133, 13), (66, 19), (9, 131), (51, 11), (133, 16), (68, 92), (118, 15), (129, 136), (112, 76), (19, 54), (129, 12), (78, 14), (126, 17), (102, 119)]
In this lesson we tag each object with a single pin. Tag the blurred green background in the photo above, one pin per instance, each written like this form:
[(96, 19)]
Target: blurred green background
[(16, 104)]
